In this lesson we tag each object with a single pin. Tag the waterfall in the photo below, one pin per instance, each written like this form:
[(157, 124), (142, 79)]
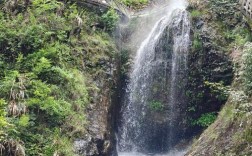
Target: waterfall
[(151, 112)]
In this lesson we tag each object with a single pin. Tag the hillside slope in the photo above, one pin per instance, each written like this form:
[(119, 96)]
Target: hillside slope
[(57, 72)]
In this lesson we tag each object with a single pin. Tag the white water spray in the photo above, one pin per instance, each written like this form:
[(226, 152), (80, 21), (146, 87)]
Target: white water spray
[(151, 110)]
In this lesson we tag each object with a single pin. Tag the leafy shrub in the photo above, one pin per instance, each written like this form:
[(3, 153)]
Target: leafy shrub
[(218, 90), (24, 121), (156, 106), (136, 4), (41, 98), (205, 120), (3, 120), (7, 82), (110, 19), (42, 65), (239, 36), (42, 6)]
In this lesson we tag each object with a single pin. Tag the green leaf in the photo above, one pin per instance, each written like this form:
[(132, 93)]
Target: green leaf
[(24, 121)]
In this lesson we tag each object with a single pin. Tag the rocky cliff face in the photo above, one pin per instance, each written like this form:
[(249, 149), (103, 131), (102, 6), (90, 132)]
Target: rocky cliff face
[(210, 71), (99, 139), (221, 33)]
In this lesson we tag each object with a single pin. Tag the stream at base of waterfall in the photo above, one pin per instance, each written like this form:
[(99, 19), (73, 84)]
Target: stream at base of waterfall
[(171, 153)]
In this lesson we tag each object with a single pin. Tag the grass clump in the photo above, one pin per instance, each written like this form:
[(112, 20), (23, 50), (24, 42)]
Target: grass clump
[(195, 14)]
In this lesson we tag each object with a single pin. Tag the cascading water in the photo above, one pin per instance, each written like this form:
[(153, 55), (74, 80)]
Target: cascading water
[(152, 109)]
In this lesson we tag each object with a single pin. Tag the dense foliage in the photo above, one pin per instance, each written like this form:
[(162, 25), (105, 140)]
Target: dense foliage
[(48, 52), (135, 4)]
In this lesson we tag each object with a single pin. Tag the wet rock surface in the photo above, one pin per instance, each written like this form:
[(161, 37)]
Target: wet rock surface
[(99, 139), (208, 61)]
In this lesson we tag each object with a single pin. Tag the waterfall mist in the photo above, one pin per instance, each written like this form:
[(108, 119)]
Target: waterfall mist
[(143, 22)]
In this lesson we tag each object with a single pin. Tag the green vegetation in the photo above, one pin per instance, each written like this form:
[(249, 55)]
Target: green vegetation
[(218, 90), (238, 36), (49, 55), (156, 106), (135, 4), (125, 64), (205, 120), (197, 43), (247, 57), (195, 14), (248, 135), (110, 19)]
